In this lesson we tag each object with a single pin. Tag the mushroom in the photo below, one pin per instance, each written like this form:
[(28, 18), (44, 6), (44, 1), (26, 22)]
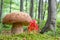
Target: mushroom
[(17, 19)]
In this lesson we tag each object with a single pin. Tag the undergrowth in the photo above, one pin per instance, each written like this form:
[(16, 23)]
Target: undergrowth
[(25, 36)]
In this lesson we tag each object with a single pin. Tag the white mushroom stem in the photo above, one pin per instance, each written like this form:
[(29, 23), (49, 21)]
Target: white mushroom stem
[(17, 28)]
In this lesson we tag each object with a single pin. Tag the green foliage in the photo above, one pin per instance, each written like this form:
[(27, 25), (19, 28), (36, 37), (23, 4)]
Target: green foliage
[(1, 27), (15, 7), (58, 24), (26, 36)]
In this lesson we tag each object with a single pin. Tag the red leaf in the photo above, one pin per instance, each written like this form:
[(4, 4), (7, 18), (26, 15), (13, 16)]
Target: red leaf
[(33, 26)]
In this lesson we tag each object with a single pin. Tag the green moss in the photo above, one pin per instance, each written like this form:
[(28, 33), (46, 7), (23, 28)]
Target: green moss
[(27, 37)]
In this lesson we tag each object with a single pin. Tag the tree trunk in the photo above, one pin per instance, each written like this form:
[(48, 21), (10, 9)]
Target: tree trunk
[(36, 9), (1, 5), (58, 6), (10, 5), (26, 6), (21, 5), (40, 11), (44, 9), (31, 7), (51, 21)]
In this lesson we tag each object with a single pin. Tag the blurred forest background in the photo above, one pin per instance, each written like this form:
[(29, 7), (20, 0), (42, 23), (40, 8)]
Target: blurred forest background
[(38, 9)]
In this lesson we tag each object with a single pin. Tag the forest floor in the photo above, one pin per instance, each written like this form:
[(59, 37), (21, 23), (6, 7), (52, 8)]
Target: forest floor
[(27, 36)]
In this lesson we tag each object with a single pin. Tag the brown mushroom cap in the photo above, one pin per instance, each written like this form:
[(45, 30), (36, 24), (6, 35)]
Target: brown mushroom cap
[(17, 17)]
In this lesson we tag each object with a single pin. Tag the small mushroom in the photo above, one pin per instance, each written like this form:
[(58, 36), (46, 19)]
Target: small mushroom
[(17, 19)]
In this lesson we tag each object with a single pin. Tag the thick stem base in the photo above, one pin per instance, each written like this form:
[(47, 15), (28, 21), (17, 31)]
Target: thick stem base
[(17, 28)]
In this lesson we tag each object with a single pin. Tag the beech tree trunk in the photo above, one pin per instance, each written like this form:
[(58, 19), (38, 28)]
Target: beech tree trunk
[(21, 5), (1, 5), (31, 7), (51, 21), (10, 5), (26, 5), (40, 12), (44, 9)]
